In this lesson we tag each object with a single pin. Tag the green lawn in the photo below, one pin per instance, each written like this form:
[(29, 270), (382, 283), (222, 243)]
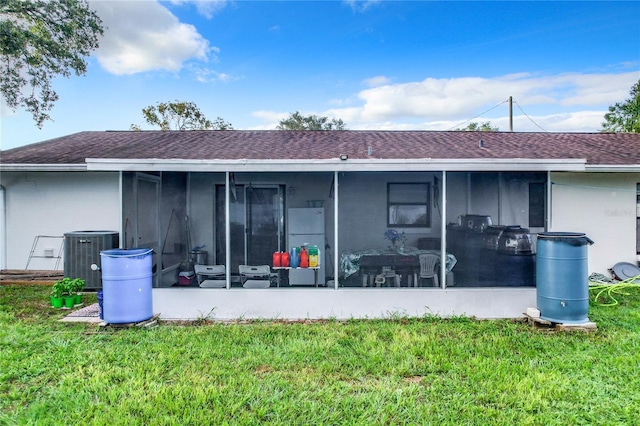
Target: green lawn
[(377, 372)]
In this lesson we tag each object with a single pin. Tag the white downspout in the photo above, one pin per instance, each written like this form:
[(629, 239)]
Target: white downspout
[(549, 203), (3, 228), (121, 210)]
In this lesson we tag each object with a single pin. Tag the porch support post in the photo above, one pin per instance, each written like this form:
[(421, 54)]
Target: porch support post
[(227, 229), (443, 231), (123, 237), (336, 250), (548, 221)]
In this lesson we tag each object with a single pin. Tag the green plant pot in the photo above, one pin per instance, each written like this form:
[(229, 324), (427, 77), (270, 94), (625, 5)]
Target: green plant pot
[(69, 301), (56, 302), (78, 299)]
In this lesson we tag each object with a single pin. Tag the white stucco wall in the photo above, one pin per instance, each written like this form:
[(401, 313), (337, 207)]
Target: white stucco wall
[(603, 206), (363, 210), (53, 203)]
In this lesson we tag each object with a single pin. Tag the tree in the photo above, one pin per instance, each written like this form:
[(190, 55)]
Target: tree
[(39, 40), (297, 121), (625, 116), (180, 115), (482, 127)]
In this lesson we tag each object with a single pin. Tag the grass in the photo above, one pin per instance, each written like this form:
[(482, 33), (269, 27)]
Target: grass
[(454, 371)]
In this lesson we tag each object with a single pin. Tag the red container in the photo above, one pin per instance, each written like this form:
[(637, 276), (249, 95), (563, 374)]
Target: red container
[(304, 258), (277, 259), (284, 259)]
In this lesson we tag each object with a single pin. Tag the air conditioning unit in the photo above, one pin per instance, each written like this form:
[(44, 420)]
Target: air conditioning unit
[(82, 249)]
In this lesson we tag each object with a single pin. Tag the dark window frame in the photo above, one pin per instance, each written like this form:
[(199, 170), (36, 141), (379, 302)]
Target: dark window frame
[(537, 204), (409, 204)]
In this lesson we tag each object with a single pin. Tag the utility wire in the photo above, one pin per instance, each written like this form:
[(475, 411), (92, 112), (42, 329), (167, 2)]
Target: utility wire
[(494, 107), (479, 115), (530, 119)]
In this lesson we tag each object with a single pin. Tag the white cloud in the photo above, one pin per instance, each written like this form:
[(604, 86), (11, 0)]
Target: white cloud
[(207, 75), (377, 81), (360, 5), (269, 115), (144, 36), (579, 121), (456, 99), (569, 102), (206, 8)]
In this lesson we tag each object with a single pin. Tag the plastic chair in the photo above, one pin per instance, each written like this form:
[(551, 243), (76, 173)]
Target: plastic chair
[(428, 270), (387, 272), (255, 276), (211, 276)]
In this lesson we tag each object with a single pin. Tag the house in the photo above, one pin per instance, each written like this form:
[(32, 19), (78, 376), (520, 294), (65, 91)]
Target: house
[(476, 200)]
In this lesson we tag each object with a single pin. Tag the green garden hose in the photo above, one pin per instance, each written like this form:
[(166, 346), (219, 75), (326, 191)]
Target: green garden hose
[(611, 288)]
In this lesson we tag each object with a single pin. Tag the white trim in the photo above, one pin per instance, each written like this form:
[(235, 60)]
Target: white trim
[(625, 168), (19, 167), (336, 231), (345, 303), (443, 229), (122, 241), (227, 225), (549, 210), (251, 165), (3, 227)]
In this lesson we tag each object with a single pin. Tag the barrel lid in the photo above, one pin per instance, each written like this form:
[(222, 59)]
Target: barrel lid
[(132, 252), (561, 234), (515, 229), (625, 271), (573, 238)]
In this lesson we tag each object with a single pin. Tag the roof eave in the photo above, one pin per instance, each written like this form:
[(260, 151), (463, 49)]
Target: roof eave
[(19, 167), (618, 168), (336, 164)]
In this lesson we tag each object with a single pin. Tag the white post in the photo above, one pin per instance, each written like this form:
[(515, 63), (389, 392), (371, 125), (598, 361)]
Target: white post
[(227, 229), (443, 231), (336, 258)]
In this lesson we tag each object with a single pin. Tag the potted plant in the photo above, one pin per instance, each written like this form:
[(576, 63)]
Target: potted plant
[(77, 286), (56, 295), (68, 295)]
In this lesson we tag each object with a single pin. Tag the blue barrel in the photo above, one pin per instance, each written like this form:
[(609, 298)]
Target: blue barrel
[(100, 305), (562, 277), (126, 285)]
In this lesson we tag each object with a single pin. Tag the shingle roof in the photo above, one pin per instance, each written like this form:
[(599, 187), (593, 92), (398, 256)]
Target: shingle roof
[(597, 148)]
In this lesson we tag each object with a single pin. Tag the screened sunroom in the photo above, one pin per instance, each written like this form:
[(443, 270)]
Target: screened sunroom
[(371, 230)]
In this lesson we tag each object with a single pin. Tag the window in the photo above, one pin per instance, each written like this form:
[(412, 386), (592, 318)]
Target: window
[(408, 205), (536, 204)]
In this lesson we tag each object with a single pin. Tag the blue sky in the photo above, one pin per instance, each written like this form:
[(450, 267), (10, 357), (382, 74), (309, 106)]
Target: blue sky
[(392, 65)]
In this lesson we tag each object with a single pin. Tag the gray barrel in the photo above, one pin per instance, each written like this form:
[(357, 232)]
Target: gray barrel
[(199, 257), (515, 258), (489, 265), (126, 285), (562, 277)]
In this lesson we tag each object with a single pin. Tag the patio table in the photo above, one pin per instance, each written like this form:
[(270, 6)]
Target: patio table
[(350, 261)]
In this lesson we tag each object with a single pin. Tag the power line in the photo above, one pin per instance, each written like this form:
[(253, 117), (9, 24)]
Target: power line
[(479, 115), (496, 106), (530, 119)]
